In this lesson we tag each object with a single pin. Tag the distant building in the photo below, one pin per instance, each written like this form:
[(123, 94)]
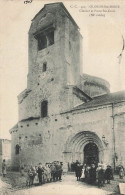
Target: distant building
[(5, 152), (63, 114)]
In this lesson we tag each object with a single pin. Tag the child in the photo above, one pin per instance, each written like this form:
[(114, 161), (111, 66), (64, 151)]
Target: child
[(108, 174), (36, 180), (83, 173), (121, 172), (40, 172), (4, 168), (101, 179), (30, 176)]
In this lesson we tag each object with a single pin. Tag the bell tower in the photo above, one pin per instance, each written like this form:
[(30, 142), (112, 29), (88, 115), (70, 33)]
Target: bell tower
[(54, 48), (53, 63)]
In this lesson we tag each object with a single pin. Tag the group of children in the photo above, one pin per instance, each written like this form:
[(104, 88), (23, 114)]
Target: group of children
[(43, 173), (96, 174)]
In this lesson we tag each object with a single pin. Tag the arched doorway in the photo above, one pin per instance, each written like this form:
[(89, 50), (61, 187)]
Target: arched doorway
[(91, 154), (84, 146)]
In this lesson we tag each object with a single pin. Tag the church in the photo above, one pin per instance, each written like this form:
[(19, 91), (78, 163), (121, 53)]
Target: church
[(65, 115)]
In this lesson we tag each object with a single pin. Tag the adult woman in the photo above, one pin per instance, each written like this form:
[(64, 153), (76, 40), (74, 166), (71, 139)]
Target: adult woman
[(92, 174), (78, 171)]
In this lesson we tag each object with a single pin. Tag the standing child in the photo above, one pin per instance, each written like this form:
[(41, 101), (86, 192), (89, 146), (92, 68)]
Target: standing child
[(121, 172), (53, 172), (28, 179), (92, 173), (101, 178), (4, 168), (47, 173), (40, 172), (36, 180), (30, 176), (108, 174), (83, 173)]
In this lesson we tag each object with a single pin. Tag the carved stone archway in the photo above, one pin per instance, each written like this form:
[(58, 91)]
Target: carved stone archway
[(74, 147)]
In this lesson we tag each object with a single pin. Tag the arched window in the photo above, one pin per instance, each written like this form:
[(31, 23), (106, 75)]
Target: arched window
[(44, 108), (17, 149)]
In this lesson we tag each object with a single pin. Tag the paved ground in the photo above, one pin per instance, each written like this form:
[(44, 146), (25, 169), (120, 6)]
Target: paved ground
[(15, 185)]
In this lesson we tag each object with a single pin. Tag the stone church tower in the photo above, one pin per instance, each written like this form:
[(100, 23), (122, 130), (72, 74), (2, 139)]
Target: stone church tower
[(47, 127), (54, 62)]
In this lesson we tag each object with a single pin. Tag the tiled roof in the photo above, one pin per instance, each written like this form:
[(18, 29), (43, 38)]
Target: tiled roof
[(103, 100)]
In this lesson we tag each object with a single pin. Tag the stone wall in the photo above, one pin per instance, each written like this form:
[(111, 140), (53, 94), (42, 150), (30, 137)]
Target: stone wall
[(119, 130), (5, 152), (44, 140)]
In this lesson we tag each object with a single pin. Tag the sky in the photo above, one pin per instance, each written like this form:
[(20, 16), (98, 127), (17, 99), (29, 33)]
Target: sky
[(102, 44)]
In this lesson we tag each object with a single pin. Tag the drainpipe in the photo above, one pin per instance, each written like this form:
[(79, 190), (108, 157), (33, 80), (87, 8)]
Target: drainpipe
[(113, 130)]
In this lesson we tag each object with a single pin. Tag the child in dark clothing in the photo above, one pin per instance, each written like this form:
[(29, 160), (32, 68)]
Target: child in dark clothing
[(108, 174), (101, 176), (40, 173)]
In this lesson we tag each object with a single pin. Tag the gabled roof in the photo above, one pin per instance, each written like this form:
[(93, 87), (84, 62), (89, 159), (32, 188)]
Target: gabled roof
[(103, 100), (63, 7)]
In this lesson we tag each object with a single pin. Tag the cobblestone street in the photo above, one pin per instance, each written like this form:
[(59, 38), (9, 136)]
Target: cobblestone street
[(15, 184)]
